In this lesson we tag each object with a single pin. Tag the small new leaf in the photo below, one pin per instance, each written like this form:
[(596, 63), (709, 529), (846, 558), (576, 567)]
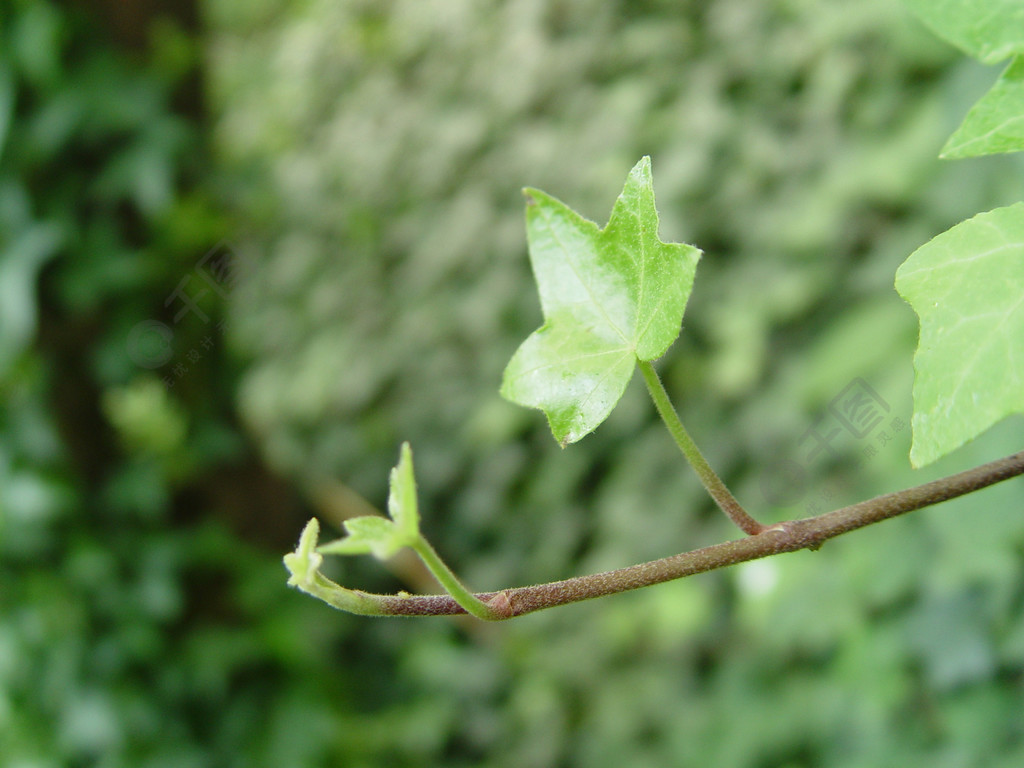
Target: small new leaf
[(967, 287), (366, 535), (304, 568), (609, 296), (402, 504), (378, 535), (304, 563)]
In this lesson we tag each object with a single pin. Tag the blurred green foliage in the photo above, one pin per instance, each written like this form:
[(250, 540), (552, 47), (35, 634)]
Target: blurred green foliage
[(138, 624), (368, 156)]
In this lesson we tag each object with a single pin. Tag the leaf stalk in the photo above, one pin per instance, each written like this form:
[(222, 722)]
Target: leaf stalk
[(708, 477), (488, 611)]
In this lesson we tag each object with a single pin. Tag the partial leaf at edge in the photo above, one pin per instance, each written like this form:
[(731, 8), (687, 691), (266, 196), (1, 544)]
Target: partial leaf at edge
[(967, 287), (609, 296), (988, 30), (996, 123)]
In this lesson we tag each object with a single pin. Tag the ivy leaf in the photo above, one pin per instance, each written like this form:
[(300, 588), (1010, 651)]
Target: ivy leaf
[(991, 31), (379, 536), (996, 123), (988, 30), (609, 296), (967, 287)]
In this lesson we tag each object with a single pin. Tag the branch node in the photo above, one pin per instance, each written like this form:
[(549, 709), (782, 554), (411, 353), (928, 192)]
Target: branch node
[(501, 604)]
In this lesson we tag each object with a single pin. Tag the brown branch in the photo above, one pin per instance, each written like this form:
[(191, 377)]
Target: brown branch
[(808, 533)]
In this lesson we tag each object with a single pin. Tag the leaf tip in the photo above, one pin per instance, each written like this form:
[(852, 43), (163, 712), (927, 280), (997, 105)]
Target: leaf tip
[(642, 169), (570, 435), (405, 453)]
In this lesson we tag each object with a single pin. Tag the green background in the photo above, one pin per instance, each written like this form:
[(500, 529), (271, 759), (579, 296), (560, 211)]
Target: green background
[(363, 161)]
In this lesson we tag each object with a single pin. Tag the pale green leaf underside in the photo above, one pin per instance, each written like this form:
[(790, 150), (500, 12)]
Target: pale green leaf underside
[(996, 123), (967, 287), (609, 296), (988, 30)]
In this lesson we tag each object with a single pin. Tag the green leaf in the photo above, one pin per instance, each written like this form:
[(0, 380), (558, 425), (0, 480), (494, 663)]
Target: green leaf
[(967, 287), (989, 30), (378, 535), (996, 123), (609, 296)]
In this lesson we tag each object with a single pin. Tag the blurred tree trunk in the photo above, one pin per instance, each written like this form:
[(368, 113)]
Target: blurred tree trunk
[(129, 21)]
